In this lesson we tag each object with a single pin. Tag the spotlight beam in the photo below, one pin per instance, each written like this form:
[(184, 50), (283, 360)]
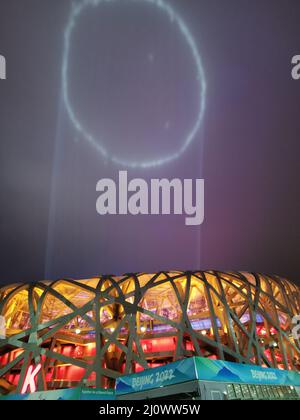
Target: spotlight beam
[(98, 143)]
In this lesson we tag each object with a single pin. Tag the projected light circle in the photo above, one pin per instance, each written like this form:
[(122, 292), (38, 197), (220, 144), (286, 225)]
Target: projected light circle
[(97, 142)]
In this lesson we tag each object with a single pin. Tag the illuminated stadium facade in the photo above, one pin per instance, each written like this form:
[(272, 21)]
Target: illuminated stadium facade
[(89, 332)]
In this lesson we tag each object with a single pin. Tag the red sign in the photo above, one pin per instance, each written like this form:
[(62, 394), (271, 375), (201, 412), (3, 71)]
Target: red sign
[(30, 379)]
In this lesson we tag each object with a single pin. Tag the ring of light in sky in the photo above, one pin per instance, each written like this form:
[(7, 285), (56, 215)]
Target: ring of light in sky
[(98, 143)]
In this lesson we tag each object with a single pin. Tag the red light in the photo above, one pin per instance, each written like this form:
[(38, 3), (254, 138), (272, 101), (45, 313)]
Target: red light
[(261, 331)]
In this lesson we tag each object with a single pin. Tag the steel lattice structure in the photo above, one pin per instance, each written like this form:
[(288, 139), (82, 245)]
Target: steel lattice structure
[(91, 331)]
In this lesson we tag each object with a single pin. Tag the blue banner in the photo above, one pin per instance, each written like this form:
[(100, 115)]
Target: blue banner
[(203, 369), (65, 394), (97, 394), (171, 374), (220, 371)]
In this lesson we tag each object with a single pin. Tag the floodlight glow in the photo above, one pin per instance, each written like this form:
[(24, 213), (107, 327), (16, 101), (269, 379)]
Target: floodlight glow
[(97, 143)]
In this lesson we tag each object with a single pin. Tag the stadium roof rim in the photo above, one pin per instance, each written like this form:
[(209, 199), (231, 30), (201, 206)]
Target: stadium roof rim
[(168, 273)]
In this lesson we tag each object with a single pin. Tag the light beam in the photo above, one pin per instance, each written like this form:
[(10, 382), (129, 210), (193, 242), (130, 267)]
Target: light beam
[(98, 143)]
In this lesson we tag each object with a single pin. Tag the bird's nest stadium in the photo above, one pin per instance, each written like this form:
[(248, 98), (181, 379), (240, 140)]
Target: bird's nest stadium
[(90, 332)]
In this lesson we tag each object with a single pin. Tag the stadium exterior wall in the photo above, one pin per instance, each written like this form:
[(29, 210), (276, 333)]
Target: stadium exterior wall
[(89, 332)]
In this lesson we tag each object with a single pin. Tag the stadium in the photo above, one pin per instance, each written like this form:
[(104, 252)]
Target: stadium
[(88, 333)]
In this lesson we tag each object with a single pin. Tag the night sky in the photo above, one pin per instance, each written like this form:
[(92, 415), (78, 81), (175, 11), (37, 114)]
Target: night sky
[(133, 83)]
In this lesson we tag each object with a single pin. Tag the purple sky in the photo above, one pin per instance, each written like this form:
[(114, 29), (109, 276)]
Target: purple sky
[(133, 84)]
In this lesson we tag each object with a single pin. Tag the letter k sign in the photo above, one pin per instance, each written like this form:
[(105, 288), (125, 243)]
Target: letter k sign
[(30, 379)]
